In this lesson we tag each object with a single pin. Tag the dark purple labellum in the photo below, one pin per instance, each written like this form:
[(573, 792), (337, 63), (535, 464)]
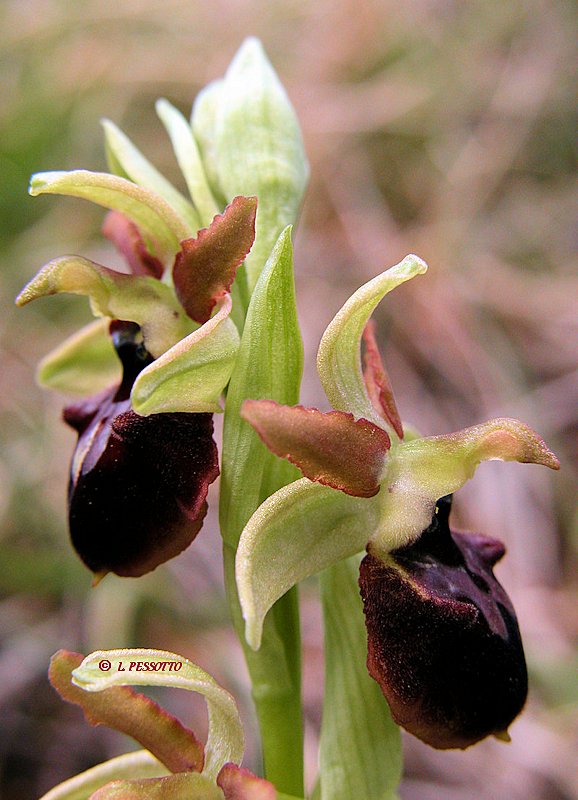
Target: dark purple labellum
[(138, 485), (443, 639)]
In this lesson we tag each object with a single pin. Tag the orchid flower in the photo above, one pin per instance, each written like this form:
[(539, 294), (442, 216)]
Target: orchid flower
[(174, 764), (439, 624)]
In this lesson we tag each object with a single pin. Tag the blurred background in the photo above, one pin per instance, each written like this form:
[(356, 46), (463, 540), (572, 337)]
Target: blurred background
[(436, 127)]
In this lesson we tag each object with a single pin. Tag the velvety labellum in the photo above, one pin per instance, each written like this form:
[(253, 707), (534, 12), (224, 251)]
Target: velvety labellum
[(443, 639), (138, 485)]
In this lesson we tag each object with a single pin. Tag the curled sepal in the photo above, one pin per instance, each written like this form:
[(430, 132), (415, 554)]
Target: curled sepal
[(298, 531), (161, 226), (191, 375), (259, 149), (205, 266), (138, 298), (421, 470), (130, 712), (83, 364), (443, 639), (339, 355), (172, 787), (189, 158), (225, 741), (138, 169), (331, 448), (140, 764), (240, 784)]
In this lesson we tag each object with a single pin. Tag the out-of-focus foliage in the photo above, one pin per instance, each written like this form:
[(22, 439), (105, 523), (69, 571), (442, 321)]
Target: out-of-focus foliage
[(435, 127)]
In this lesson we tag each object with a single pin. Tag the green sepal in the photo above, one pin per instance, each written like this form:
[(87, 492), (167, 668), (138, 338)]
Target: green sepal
[(225, 741), (192, 375), (161, 226), (139, 764), (422, 470), (84, 364), (184, 786), (135, 298), (339, 355), (259, 148), (122, 152), (360, 748), (203, 125), (299, 531), (189, 160)]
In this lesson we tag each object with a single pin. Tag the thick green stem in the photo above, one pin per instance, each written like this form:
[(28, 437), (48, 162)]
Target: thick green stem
[(275, 671)]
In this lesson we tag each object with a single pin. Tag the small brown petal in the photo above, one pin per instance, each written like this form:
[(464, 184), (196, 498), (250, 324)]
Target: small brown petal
[(128, 240), (377, 381), (240, 784), (206, 266)]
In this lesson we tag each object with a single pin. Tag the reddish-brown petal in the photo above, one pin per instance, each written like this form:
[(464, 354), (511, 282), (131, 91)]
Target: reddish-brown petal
[(377, 381), (240, 784), (128, 240), (132, 713), (331, 448), (205, 267)]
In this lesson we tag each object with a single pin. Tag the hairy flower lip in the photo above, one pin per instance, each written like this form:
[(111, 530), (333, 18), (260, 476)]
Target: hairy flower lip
[(138, 485), (443, 638)]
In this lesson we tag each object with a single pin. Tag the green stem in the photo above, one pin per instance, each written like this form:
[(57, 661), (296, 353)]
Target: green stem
[(275, 671)]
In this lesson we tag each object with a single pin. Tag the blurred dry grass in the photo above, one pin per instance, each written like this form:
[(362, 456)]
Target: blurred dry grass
[(437, 127)]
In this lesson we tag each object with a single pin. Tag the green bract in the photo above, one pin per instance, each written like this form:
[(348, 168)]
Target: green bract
[(304, 527)]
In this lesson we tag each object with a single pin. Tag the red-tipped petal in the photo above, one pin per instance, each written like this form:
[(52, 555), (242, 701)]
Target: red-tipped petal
[(240, 784), (129, 242), (205, 267), (132, 713), (377, 381), (331, 448)]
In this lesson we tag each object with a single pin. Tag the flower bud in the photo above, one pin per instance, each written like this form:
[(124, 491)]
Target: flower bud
[(138, 485), (443, 639)]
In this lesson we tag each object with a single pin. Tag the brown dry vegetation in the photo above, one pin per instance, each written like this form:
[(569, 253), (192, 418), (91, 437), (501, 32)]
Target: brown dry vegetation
[(436, 127)]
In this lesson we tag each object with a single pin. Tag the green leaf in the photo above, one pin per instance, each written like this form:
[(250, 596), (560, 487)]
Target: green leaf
[(421, 471), (140, 764), (187, 786), (139, 170), (85, 363), (225, 741), (360, 749), (131, 713), (161, 226), (268, 366), (258, 148), (136, 298), (192, 375), (299, 531), (189, 159), (339, 355)]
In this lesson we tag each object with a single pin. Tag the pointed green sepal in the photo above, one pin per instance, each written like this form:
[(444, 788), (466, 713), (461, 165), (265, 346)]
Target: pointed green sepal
[(140, 764), (299, 531), (421, 471), (84, 364), (134, 298), (203, 125), (189, 160), (339, 355), (139, 169), (162, 227), (225, 741), (191, 375), (259, 148)]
